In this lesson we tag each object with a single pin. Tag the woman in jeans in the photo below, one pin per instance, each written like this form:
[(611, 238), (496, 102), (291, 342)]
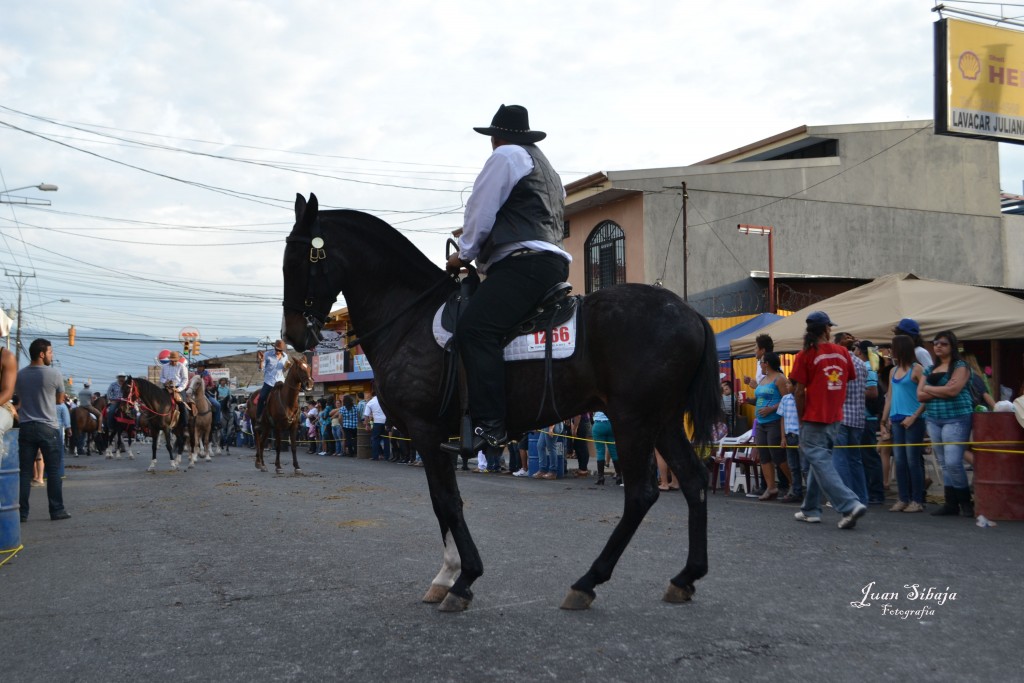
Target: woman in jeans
[(902, 415), (769, 393), (946, 393)]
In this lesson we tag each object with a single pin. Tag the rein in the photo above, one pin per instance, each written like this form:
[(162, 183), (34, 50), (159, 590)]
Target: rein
[(135, 397), (412, 304)]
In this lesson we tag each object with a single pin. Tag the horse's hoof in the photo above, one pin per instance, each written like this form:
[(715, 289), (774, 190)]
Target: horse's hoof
[(298, 471), (151, 468), (576, 600), (110, 457), (676, 595), (435, 594), (278, 470), (263, 469), (453, 603)]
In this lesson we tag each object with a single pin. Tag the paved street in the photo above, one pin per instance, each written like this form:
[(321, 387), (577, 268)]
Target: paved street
[(226, 574)]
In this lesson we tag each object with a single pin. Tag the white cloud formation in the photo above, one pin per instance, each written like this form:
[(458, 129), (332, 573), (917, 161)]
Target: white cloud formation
[(386, 93)]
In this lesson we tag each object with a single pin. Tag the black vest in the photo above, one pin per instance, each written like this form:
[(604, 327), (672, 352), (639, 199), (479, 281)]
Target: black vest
[(534, 209)]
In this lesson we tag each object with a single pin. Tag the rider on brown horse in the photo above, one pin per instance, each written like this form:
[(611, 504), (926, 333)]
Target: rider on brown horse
[(273, 368), (174, 378)]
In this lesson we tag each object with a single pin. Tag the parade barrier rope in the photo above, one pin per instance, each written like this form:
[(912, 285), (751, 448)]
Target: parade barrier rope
[(10, 554), (751, 443)]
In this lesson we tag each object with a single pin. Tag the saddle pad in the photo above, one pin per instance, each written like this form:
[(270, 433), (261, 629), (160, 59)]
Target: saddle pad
[(528, 346)]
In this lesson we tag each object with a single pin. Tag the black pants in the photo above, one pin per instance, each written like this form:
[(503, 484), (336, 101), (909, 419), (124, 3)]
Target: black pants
[(512, 287)]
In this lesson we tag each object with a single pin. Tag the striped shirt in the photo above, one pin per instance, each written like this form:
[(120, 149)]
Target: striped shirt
[(946, 408)]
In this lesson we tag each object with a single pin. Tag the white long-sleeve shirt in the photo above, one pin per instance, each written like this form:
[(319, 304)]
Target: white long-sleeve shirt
[(507, 165), (174, 372)]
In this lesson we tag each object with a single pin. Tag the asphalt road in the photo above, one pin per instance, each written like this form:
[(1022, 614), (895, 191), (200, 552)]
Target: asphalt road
[(226, 574)]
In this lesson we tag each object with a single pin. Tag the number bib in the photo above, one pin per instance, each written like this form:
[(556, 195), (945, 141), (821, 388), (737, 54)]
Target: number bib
[(528, 346)]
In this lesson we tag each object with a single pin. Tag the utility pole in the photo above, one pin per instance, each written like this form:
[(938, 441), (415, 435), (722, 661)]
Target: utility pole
[(19, 278), (686, 266)]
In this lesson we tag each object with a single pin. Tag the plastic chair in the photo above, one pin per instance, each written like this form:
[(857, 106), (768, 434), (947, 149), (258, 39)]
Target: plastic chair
[(733, 452)]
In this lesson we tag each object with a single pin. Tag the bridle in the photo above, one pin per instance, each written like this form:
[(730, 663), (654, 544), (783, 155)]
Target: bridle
[(314, 308)]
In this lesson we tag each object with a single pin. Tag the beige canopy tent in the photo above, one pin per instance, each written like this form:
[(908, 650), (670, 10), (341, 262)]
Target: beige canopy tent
[(871, 311)]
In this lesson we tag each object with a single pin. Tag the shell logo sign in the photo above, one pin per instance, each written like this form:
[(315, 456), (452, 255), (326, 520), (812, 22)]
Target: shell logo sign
[(979, 81), (969, 65)]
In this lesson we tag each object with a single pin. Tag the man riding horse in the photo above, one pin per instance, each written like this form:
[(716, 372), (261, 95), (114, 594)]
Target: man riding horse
[(85, 397), (211, 391), (115, 395), (273, 368), (174, 378), (513, 229)]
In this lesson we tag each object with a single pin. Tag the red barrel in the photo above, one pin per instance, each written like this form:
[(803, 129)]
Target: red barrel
[(998, 477)]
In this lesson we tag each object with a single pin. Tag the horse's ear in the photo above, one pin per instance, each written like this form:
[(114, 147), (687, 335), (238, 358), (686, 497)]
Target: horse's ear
[(314, 205), (300, 208)]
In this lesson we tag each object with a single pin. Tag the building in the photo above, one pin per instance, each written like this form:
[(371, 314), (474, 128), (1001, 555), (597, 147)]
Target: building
[(336, 369), (846, 203)]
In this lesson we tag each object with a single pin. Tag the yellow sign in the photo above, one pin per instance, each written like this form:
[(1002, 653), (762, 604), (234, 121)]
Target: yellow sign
[(979, 81)]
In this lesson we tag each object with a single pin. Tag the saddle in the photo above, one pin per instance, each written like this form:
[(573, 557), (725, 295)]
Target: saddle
[(555, 308)]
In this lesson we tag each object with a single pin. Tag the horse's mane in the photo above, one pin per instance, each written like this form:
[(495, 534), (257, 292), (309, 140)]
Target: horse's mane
[(150, 392), (410, 265)]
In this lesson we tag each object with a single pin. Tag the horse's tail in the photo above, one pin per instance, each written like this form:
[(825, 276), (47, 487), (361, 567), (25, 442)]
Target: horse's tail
[(704, 403)]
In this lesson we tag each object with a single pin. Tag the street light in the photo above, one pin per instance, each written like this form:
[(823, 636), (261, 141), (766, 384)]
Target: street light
[(769, 231), (42, 187)]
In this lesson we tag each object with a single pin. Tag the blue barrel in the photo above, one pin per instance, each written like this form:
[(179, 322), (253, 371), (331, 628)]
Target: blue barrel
[(10, 520), (560, 446), (533, 455)]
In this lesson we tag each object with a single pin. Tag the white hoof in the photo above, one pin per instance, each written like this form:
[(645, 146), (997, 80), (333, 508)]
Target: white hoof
[(152, 467), (208, 458), (108, 456)]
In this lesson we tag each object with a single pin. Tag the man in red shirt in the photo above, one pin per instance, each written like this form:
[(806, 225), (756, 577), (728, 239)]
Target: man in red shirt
[(820, 373)]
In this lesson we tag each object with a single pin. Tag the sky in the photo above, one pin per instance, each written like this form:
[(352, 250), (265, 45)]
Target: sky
[(179, 133)]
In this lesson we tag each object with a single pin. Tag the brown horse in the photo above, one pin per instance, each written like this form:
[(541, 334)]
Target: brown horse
[(281, 414), (84, 423), (159, 415), (202, 423)]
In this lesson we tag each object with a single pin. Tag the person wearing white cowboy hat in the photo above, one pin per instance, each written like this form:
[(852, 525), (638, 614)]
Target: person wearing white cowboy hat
[(512, 228), (273, 368), (176, 375)]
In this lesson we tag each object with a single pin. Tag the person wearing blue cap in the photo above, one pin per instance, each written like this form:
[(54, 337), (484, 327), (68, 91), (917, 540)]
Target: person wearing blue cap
[(909, 327), (820, 374)]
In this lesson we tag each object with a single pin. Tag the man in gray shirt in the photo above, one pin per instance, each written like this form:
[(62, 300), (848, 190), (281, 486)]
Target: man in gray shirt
[(40, 388)]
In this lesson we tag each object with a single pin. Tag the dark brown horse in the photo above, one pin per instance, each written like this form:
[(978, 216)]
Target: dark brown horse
[(158, 415), (647, 359), (281, 414)]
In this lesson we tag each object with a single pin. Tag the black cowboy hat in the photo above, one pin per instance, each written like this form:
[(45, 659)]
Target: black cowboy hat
[(512, 123)]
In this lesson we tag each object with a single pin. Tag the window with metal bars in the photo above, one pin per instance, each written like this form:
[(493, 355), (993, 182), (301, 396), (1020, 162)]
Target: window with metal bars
[(605, 257)]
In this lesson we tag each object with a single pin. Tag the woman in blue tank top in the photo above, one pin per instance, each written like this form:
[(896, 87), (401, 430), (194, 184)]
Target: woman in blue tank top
[(771, 443), (903, 413)]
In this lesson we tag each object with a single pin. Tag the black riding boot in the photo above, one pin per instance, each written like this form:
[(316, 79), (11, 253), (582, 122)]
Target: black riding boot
[(600, 473), (966, 505), (951, 506)]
